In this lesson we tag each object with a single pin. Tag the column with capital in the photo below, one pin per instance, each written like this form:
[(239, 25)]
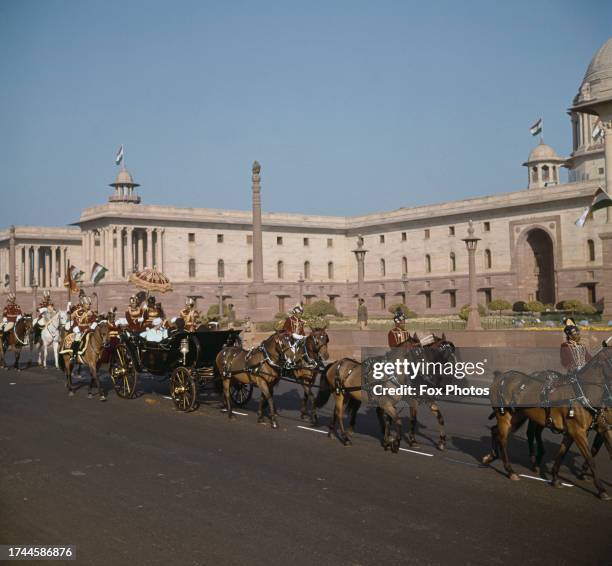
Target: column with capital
[(140, 262), (36, 272), (471, 243), (149, 242), (27, 265), (114, 252), (360, 253), (53, 268), (12, 261), (160, 248), (63, 265), (129, 251)]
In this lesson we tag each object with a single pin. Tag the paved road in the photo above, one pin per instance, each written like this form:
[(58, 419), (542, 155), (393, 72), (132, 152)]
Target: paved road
[(135, 482)]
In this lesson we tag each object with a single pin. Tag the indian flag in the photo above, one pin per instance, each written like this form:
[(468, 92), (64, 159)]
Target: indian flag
[(73, 275), (97, 273), (601, 199), (119, 156), (536, 128)]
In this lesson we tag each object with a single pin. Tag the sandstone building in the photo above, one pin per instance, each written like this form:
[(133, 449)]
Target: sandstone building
[(529, 248)]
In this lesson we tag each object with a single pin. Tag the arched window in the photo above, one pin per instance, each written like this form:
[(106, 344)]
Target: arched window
[(591, 249), (534, 174), (220, 269), (453, 262), (330, 269), (307, 270), (487, 258), (250, 269), (545, 173), (383, 268), (280, 270), (192, 268), (427, 263)]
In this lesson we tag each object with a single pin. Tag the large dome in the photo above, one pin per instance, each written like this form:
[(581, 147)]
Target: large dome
[(597, 82)]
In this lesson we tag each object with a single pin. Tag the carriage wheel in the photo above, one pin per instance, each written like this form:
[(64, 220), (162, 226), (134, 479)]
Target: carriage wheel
[(123, 373), (241, 393), (183, 389)]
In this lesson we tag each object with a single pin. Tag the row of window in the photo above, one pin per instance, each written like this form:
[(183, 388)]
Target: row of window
[(191, 237), (280, 269)]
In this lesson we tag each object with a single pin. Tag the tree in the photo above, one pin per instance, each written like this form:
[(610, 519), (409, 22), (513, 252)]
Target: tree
[(519, 306), (499, 305), (575, 306), (320, 309), (213, 310), (534, 306), (465, 311)]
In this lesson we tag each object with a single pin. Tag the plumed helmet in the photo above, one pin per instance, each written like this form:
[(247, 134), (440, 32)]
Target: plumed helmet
[(570, 327), (399, 316), (189, 302), (46, 294), (11, 298), (86, 301), (297, 309), (132, 300), (82, 293)]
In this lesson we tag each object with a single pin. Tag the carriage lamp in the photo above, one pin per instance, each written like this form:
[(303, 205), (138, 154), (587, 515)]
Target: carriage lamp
[(184, 349)]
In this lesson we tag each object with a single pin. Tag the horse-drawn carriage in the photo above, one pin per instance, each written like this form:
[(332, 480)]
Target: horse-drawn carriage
[(186, 358)]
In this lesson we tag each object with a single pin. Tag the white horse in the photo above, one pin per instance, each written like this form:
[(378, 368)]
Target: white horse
[(51, 334)]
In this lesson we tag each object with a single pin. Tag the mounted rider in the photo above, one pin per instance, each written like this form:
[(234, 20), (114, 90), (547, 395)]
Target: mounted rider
[(82, 320), (134, 315), (10, 315), (190, 315), (574, 354), (398, 335), (46, 309), (294, 326)]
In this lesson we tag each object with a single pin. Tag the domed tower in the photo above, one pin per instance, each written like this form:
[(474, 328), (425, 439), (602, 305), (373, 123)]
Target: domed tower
[(124, 188), (594, 100), (543, 166)]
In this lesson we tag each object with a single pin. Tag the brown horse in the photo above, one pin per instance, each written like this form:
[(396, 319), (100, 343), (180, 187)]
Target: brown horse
[(95, 343), (513, 394), (344, 379), (262, 365), (313, 353), (18, 337)]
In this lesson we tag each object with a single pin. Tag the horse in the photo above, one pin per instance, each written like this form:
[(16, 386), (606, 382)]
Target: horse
[(95, 343), (313, 353), (18, 337), (512, 395), (51, 334), (262, 365), (344, 379)]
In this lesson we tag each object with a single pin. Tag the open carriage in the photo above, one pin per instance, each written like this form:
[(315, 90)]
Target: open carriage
[(186, 358)]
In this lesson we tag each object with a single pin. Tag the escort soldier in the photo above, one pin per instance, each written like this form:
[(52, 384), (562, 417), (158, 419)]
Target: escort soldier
[(81, 321), (294, 325), (153, 310), (45, 311), (46, 302), (190, 315), (10, 315), (398, 335), (134, 315), (574, 354)]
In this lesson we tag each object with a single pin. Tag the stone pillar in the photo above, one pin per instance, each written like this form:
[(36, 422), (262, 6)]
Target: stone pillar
[(22, 256), (258, 275), (607, 125), (12, 261), (63, 266), (28, 267), (149, 241), (36, 274), (473, 322), (129, 262), (115, 234), (140, 240), (53, 271), (606, 276), (160, 248)]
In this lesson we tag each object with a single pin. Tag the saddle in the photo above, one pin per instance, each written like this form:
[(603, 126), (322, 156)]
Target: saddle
[(69, 340)]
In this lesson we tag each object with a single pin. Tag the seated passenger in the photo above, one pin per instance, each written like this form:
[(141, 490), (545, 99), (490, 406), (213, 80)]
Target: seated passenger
[(156, 333)]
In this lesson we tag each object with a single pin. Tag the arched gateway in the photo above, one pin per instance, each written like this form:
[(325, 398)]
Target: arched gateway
[(536, 266)]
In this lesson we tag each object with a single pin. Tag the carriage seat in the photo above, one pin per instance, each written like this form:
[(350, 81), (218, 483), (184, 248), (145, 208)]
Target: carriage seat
[(154, 335)]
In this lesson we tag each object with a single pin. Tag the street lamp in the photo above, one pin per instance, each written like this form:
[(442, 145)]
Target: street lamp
[(405, 287), (301, 288), (360, 253), (471, 243), (220, 288), (34, 287)]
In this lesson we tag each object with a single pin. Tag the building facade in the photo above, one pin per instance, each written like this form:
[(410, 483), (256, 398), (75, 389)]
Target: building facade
[(530, 247)]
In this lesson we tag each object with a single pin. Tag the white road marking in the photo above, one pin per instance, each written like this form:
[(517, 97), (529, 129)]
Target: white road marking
[(312, 429), (166, 397), (542, 479), (235, 412), (417, 452), (465, 463), (12, 383)]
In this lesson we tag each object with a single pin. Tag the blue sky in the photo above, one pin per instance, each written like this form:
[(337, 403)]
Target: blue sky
[(350, 106)]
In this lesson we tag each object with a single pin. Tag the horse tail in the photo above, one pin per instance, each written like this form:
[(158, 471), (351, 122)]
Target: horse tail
[(492, 415), (324, 389)]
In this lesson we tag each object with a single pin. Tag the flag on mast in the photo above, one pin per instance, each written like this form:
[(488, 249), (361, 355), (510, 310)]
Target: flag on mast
[(98, 272), (601, 199), (73, 275), (536, 128), (119, 156)]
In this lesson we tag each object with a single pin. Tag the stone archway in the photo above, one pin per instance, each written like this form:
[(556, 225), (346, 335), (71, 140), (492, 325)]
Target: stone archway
[(536, 267)]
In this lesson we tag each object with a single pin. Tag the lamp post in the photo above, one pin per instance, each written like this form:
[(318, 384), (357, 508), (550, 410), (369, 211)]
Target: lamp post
[(471, 243), (405, 287), (360, 253), (220, 288), (301, 288), (34, 287)]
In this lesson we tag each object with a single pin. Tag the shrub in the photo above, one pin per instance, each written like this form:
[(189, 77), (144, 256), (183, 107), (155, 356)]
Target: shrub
[(519, 306), (575, 306), (320, 309), (213, 310), (499, 305), (534, 306), (400, 306), (465, 311)]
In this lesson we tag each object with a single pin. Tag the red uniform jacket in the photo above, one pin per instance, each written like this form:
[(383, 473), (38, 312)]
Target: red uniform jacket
[(574, 355), (294, 325), (397, 336), (11, 312)]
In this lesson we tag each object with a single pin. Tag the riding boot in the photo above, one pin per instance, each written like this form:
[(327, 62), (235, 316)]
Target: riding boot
[(570, 413), (75, 350)]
